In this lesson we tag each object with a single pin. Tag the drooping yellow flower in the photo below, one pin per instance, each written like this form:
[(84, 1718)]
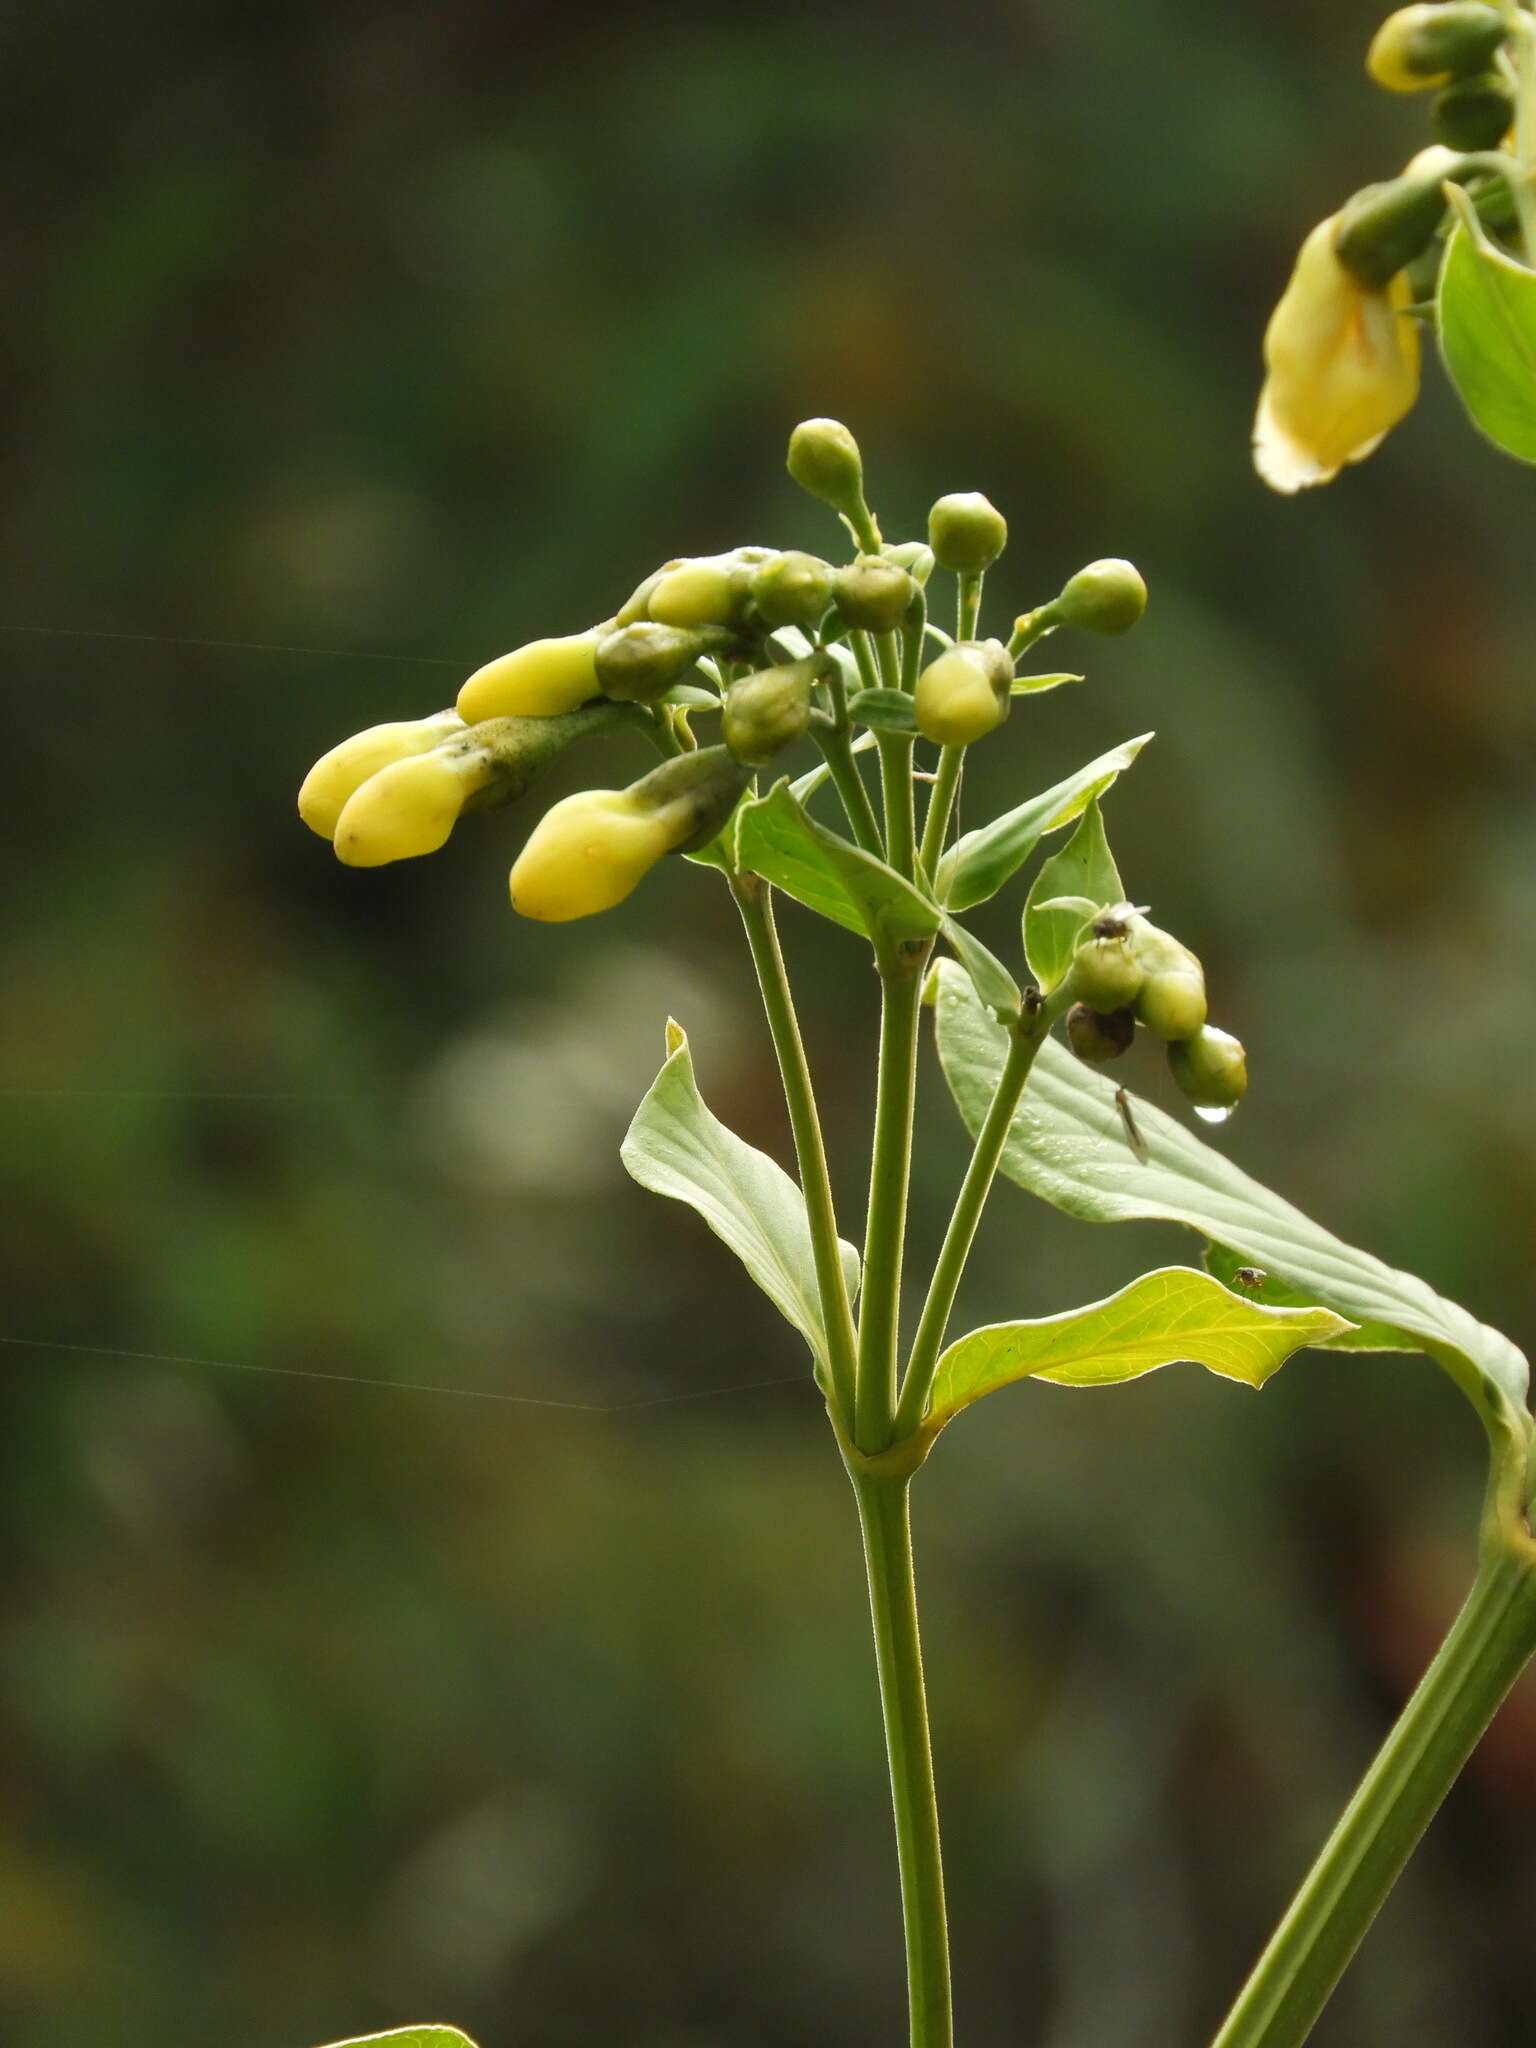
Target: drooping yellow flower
[(1343, 363)]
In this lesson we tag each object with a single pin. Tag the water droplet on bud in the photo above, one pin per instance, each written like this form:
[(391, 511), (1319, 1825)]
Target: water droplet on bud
[(1212, 1116)]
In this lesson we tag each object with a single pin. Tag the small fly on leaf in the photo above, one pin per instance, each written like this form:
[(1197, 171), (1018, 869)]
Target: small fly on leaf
[(1133, 1137), (1250, 1276)]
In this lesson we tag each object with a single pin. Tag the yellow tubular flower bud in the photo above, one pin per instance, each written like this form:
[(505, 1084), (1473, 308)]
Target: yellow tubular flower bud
[(336, 775), (586, 854), (408, 808), (539, 680), (704, 592), (1343, 365)]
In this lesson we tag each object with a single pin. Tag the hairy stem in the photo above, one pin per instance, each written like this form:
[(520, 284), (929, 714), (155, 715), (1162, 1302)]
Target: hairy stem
[(901, 982), (1488, 1646), (941, 804), (885, 1519), (754, 900), (900, 813)]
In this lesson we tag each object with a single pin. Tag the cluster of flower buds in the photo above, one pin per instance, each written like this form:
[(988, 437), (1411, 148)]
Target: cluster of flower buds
[(1341, 350), (768, 639), (1125, 972)]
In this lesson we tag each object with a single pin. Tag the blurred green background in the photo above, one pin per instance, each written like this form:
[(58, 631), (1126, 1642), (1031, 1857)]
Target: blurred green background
[(350, 346)]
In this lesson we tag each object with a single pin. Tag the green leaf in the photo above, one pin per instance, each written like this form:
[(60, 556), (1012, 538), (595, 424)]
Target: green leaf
[(828, 874), (1069, 889), (977, 866), (991, 979), (1032, 686), (1160, 1319), (677, 1147), (1068, 1145), (1487, 323), (1239, 1274), (883, 710), (408, 2037)]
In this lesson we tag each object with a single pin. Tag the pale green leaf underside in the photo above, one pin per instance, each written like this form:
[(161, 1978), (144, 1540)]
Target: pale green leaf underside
[(977, 866), (1068, 1146), (677, 1147), (779, 841), (1164, 1318), (408, 2037), (1487, 325)]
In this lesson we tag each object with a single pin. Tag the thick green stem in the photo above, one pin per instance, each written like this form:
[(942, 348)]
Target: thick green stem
[(901, 983), (941, 804), (970, 1202), (755, 904), (1489, 1645), (885, 1518), (900, 812)]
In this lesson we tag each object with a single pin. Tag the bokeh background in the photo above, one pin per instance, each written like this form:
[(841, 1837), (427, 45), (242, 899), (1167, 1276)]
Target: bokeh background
[(349, 346)]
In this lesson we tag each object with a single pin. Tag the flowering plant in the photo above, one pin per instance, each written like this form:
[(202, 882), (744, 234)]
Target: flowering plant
[(789, 651)]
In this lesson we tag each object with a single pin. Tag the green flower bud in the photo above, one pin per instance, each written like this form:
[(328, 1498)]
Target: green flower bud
[(539, 680), (1106, 597), (964, 694), (408, 808), (709, 591), (590, 850), (339, 774), (1473, 113), (766, 712), (1099, 1036), (1385, 226), (1106, 972), (872, 593), (1210, 1068), (824, 460), (1418, 47), (1171, 999), (966, 532), (792, 589), (636, 664)]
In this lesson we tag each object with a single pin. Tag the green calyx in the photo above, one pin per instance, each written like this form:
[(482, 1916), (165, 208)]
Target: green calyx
[(638, 663), (695, 792), (1385, 226), (767, 712), (966, 532), (1473, 113), (518, 750)]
